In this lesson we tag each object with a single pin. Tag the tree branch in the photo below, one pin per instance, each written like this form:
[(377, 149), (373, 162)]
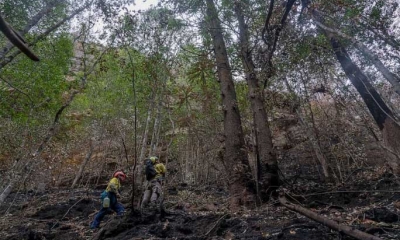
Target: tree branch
[(266, 26), (16, 39)]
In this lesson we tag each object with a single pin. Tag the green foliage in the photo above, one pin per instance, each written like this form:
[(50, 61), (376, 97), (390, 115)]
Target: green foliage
[(172, 63), (353, 12), (37, 86), (303, 50), (17, 12), (186, 6), (242, 97), (376, 11)]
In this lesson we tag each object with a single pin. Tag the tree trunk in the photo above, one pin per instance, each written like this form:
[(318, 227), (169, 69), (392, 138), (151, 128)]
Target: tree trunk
[(392, 78), (156, 127), (145, 134), (139, 175), (381, 113), (6, 191), (267, 174), (16, 39), (83, 165), (234, 153)]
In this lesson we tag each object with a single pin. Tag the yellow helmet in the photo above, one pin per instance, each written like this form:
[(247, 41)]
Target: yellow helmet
[(153, 159)]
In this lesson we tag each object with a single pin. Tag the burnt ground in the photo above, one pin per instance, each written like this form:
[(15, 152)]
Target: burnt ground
[(367, 202)]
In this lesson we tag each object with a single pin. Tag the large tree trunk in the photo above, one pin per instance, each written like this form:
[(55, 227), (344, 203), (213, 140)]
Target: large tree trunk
[(381, 113), (392, 78), (267, 174), (234, 153)]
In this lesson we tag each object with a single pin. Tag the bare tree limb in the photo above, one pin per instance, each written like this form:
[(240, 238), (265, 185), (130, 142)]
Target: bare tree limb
[(43, 35), (266, 26), (272, 47), (16, 39), (32, 22)]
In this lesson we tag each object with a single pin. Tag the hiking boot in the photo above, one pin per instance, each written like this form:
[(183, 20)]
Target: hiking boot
[(93, 227)]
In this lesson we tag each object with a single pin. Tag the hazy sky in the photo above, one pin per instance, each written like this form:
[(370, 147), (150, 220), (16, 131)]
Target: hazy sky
[(143, 4), (137, 5)]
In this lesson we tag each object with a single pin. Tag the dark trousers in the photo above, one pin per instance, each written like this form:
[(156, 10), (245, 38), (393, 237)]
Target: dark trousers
[(114, 205)]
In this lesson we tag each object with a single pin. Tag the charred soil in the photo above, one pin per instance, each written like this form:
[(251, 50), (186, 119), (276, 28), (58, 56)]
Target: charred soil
[(198, 212)]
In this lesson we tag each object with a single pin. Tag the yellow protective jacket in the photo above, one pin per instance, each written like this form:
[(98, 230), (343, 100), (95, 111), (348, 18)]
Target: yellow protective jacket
[(160, 169), (113, 186)]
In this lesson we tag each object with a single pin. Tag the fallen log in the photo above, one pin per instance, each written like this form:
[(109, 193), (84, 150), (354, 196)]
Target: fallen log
[(326, 221)]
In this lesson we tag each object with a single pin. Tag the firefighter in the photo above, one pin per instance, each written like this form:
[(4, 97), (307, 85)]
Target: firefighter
[(109, 198), (155, 174)]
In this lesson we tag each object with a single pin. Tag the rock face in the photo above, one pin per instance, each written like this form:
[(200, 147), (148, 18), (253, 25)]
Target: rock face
[(77, 61)]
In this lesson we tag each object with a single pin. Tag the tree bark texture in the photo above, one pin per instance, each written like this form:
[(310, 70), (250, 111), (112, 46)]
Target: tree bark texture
[(234, 153), (267, 174), (381, 113)]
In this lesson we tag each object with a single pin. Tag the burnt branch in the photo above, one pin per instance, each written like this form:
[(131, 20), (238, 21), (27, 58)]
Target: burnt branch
[(16, 39)]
